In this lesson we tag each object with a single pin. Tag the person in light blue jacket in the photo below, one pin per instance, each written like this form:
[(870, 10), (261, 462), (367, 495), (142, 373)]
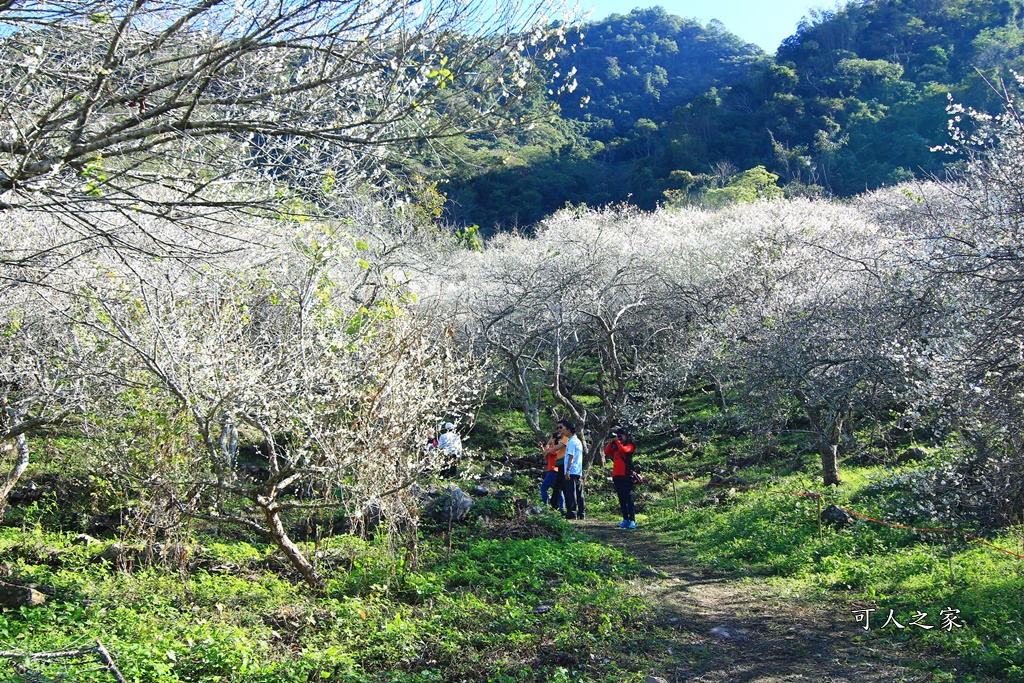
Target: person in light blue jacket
[(451, 445), (575, 505)]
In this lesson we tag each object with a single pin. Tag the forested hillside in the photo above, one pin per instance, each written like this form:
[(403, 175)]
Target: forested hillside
[(855, 100)]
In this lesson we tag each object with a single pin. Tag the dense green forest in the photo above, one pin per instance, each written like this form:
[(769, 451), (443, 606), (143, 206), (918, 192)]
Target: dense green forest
[(854, 100)]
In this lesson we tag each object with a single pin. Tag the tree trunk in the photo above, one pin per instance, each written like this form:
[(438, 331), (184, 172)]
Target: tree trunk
[(291, 551), (829, 462), (531, 411), (595, 448), (11, 479), (719, 392), (828, 423)]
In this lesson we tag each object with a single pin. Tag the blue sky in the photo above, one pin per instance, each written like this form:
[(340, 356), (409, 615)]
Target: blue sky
[(762, 22)]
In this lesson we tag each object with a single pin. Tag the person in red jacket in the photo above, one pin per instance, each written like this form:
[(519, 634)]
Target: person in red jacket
[(620, 448)]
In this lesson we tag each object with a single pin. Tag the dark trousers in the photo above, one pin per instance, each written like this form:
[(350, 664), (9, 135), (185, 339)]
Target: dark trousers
[(624, 489), (575, 505), (557, 500)]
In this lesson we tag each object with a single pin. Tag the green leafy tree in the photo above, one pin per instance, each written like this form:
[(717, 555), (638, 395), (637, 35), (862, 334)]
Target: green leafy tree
[(751, 185)]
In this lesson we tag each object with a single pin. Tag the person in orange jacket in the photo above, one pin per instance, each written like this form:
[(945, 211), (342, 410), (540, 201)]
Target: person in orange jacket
[(554, 451), (620, 448)]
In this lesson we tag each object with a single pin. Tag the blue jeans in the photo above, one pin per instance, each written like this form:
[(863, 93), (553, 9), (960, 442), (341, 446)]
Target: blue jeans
[(550, 480)]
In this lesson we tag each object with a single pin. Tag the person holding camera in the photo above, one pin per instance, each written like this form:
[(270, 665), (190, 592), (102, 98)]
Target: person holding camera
[(554, 451), (620, 447)]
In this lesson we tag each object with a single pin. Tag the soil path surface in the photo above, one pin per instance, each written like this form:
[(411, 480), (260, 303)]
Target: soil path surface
[(738, 630)]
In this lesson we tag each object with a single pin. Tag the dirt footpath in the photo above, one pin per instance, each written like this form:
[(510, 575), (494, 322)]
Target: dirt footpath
[(737, 630)]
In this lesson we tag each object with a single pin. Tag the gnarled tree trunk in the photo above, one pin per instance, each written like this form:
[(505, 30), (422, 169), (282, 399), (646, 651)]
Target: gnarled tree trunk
[(276, 528), (827, 424), (11, 478)]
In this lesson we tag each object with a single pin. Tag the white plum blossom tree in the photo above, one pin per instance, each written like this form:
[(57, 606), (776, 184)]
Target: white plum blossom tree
[(571, 315), (287, 341), (198, 110), (340, 393)]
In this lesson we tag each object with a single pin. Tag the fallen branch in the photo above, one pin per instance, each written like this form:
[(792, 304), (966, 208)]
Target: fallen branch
[(48, 655), (105, 656), (99, 649)]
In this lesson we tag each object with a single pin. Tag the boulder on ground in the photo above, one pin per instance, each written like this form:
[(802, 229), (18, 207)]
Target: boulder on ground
[(367, 521), (719, 480), (13, 597), (424, 496), (118, 553), (493, 471), (452, 506), (108, 523), (84, 539), (837, 517), (913, 454)]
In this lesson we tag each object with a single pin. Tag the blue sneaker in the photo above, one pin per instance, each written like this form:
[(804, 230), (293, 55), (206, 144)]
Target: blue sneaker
[(623, 524), (631, 525)]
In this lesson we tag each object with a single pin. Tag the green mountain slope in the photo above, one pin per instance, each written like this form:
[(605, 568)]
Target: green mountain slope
[(854, 100)]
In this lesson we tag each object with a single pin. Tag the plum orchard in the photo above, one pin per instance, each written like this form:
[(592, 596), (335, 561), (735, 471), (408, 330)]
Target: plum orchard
[(908, 300), (271, 347)]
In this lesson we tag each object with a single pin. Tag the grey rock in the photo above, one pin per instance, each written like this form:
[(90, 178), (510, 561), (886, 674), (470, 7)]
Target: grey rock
[(541, 609), (493, 471), (109, 522), (118, 552), (424, 496), (479, 491), (14, 597), (453, 505), (654, 679), (913, 454), (727, 633), (721, 632), (837, 517), (721, 481), (112, 553), (84, 539), (371, 517)]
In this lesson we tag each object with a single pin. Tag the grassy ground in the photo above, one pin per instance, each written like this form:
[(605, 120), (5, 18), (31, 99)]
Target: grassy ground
[(515, 598), (523, 599), (763, 524)]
